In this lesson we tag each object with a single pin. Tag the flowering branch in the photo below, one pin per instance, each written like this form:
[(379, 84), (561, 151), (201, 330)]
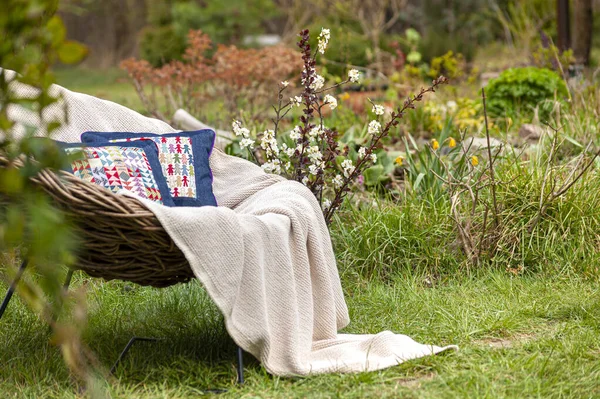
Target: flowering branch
[(313, 159), (377, 135)]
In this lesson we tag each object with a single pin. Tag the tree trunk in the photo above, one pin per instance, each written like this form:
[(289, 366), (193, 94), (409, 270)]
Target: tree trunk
[(563, 22), (582, 36)]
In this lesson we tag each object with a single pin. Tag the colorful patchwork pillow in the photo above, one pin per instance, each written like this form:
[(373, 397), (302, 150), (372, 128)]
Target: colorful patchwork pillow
[(130, 166), (184, 160)]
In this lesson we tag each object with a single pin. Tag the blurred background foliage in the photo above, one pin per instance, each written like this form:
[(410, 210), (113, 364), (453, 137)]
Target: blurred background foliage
[(34, 39), (157, 30)]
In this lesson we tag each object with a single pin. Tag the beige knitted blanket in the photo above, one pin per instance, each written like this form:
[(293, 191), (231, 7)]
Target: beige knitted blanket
[(264, 255)]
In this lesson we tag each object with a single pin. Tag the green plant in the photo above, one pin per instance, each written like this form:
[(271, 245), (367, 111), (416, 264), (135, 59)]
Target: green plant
[(450, 65), (160, 45), (224, 22), (552, 58), (458, 26), (425, 164), (33, 39), (348, 48), (523, 20), (413, 38), (519, 91)]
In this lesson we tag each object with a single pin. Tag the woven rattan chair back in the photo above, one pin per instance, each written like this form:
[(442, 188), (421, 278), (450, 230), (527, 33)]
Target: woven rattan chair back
[(120, 238)]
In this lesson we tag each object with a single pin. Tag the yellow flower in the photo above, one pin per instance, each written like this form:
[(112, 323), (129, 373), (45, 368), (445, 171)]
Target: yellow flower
[(344, 96), (434, 144), (451, 142), (398, 161), (474, 160)]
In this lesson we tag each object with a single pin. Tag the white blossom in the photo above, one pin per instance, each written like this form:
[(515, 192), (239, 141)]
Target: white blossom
[(316, 131), (239, 130), (296, 133), (354, 75), (273, 166), (286, 150), (290, 152), (326, 204), (374, 127), (324, 40), (314, 154), (246, 142), (296, 101), (338, 181), (348, 167), (285, 83), (331, 101), (374, 158), (318, 82), (313, 169), (269, 143), (378, 109), (305, 180), (362, 152)]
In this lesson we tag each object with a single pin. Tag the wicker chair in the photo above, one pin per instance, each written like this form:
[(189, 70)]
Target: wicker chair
[(121, 239)]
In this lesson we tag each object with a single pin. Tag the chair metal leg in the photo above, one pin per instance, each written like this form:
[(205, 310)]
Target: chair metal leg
[(66, 285), (240, 365), (126, 350), (11, 290), (68, 280), (13, 286)]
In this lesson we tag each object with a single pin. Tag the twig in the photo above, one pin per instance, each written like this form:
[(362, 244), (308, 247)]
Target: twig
[(491, 163), (570, 182)]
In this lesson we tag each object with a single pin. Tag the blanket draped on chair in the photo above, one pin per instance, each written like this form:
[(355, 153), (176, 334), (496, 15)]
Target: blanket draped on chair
[(264, 255)]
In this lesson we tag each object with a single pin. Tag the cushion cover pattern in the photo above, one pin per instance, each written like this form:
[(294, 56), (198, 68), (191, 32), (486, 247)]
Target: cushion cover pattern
[(183, 157), (130, 166)]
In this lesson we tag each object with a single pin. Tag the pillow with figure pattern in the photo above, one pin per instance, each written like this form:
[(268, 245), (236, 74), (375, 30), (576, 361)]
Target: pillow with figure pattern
[(183, 157), (132, 166)]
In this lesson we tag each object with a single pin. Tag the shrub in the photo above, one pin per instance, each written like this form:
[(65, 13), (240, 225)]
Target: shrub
[(238, 77), (518, 91), (224, 21), (160, 45), (450, 65), (349, 47)]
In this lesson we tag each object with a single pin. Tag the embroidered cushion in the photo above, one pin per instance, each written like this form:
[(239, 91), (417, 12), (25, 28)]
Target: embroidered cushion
[(184, 160), (130, 166)]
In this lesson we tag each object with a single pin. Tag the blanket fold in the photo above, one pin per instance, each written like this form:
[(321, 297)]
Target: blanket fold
[(264, 255)]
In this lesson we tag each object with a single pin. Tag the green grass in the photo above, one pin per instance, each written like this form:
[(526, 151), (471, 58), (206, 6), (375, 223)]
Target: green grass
[(535, 334), (108, 84), (519, 337)]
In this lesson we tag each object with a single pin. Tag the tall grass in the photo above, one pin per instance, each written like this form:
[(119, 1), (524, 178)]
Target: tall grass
[(547, 215)]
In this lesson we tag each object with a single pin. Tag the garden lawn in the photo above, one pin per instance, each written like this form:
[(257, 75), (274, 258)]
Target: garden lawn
[(109, 84), (519, 337), (533, 334)]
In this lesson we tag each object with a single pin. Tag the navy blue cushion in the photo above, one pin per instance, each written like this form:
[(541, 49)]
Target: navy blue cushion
[(184, 160), (132, 166)]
